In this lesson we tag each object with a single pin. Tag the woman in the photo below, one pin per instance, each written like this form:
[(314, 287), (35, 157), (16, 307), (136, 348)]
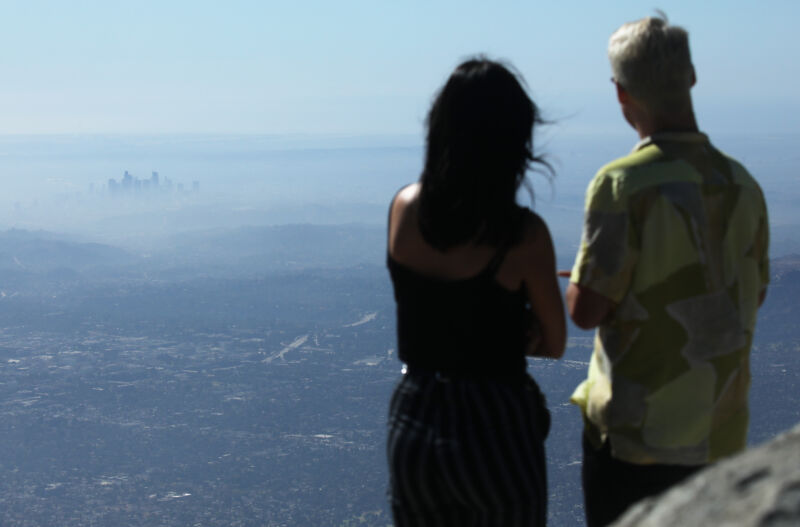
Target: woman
[(474, 274)]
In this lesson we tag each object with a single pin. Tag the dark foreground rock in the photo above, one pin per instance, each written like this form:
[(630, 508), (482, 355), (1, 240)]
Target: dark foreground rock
[(760, 487)]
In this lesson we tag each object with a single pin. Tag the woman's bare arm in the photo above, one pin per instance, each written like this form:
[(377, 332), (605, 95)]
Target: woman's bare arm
[(544, 294)]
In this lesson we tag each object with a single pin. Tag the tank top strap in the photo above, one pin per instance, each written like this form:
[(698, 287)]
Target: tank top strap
[(504, 246), (497, 260)]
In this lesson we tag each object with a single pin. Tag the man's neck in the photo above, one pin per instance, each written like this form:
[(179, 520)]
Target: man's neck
[(685, 122)]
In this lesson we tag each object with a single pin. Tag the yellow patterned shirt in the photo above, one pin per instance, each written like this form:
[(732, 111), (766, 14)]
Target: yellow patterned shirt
[(676, 234)]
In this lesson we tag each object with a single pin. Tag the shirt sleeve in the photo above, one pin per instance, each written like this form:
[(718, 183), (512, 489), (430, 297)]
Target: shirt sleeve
[(608, 253)]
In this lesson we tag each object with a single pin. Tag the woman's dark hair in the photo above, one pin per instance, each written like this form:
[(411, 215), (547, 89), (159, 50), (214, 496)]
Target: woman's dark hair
[(479, 147)]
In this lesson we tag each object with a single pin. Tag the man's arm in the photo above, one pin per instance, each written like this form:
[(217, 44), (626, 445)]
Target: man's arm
[(587, 308), (603, 269)]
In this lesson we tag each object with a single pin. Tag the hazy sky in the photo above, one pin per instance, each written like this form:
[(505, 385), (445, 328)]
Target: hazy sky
[(364, 67)]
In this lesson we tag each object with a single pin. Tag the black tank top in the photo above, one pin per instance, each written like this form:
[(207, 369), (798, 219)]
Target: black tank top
[(473, 326)]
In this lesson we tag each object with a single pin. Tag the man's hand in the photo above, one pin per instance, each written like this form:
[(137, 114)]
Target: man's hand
[(587, 308)]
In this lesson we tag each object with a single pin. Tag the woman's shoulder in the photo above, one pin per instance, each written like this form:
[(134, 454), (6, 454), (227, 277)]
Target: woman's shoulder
[(406, 196), (534, 238), (523, 258), (402, 212), (531, 225), (403, 204)]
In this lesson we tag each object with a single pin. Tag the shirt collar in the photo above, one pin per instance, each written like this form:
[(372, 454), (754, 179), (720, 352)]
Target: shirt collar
[(682, 137)]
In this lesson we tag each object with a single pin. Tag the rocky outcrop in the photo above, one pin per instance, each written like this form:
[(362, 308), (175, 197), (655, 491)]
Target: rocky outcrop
[(760, 487)]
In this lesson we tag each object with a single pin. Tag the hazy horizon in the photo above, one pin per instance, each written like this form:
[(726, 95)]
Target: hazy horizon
[(61, 183)]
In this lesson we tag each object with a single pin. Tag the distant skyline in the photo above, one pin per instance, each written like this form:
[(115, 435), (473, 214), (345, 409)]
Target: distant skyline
[(365, 68)]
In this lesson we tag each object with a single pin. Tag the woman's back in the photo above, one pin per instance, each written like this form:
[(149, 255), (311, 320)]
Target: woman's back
[(448, 318), (521, 271)]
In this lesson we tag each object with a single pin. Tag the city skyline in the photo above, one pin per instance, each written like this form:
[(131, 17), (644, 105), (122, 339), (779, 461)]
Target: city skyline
[(131, 184)]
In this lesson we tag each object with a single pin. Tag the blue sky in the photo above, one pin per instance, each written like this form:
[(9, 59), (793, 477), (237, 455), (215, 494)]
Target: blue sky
[(364, 67)]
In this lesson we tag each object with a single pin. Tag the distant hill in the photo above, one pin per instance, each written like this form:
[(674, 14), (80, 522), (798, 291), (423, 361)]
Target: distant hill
[(254, 250), (34, 256), (52, 256)]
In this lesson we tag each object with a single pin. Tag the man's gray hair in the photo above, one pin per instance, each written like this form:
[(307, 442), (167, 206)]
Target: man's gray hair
[(651, 60)]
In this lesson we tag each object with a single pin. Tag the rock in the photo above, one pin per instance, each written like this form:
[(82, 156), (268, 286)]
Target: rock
[(759, 487)]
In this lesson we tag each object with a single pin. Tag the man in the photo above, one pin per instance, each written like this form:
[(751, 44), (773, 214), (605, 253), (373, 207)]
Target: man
[(672, 268)]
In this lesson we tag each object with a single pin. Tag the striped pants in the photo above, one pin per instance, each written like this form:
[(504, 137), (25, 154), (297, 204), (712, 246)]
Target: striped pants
[(467, 452)]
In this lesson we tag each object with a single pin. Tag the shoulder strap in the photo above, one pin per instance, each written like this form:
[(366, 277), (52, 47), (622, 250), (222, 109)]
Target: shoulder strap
[(494, 264), (497, 260), (502, 249)]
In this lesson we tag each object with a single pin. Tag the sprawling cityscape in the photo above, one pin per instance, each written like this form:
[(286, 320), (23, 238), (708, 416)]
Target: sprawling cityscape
[(242, 378)]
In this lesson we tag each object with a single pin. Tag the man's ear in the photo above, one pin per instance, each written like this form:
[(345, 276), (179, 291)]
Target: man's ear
[(694, 78), (622, 95)]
